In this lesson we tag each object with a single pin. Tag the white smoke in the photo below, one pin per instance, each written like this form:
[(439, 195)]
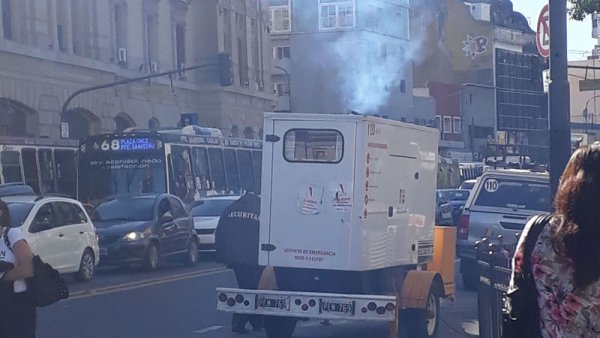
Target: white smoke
[(371, 67)]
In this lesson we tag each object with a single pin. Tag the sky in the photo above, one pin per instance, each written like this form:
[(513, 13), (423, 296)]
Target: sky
[(580, 41)]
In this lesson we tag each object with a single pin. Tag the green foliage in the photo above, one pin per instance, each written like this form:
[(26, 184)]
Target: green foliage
[(580, 8)]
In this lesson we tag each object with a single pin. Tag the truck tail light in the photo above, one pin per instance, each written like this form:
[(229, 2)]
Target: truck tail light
[(463, 227)]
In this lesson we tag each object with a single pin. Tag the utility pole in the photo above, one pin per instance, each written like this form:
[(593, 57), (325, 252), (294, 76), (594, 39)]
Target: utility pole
[(558, 97)]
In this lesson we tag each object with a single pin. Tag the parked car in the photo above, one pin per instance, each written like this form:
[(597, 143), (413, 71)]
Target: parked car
[(501, 203), (206, 214), (443, 210), (468, 184), (457, 199), (59, 230), (144, 228)]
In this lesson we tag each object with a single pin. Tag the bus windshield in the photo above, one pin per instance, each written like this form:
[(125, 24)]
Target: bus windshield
[(132, 165)]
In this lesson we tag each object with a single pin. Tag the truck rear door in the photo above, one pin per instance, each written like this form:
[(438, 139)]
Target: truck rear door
[(311, 185)]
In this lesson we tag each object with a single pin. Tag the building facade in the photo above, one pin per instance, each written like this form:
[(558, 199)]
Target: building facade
[(339, 56), (488, 50), (50, 49)]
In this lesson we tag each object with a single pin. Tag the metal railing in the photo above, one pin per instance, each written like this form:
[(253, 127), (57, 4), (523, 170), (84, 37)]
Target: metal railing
[(494, 262)]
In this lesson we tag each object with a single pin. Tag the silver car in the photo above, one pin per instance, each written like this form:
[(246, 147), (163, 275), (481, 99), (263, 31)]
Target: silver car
[(501, 203)]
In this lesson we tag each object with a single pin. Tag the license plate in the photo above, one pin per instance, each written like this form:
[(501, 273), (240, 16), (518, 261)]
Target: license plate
[(103, 251), (282, 303), (335, 306)]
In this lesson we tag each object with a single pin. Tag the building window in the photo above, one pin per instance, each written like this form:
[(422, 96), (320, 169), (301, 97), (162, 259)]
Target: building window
[(281, 53), (151, 45), (438, 122), (281, 88), (7, 19), (457, 125), (180, 45), (447, 125), (280, 19), (334, 14), (120, 33)]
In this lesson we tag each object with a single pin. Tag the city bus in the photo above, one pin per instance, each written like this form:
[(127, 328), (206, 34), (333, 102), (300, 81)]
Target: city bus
[(190, 163), (47, 166)]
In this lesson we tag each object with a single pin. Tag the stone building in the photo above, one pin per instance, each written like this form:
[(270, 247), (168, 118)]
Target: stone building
[(52, 48)]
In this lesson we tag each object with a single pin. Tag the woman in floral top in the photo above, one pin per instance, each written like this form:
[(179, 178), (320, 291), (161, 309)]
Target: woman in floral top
[(566, 259)]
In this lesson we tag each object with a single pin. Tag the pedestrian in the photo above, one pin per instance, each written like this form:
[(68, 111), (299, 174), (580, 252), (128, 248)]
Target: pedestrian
[(237, 242), (564, 266), (17, 311)]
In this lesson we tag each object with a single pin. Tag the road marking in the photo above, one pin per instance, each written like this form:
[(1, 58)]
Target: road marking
[(143, 283), (208, 329)]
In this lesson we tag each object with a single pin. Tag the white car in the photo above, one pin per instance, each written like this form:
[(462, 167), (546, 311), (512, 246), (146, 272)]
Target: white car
[(206, 214), (59, 230)]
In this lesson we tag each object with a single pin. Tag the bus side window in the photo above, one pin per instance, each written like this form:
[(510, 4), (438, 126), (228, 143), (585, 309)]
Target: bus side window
[(66, 171), (201, 170), (231, 170), (257, 165), (30, 169), (46, 170), (11, 166), (246, 170), (215, 156)]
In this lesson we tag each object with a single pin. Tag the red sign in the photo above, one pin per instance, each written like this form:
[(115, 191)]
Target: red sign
[(542, 37)]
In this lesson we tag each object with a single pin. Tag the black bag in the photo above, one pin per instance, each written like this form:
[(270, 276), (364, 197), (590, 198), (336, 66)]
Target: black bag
[(47, 286), (521, 313)]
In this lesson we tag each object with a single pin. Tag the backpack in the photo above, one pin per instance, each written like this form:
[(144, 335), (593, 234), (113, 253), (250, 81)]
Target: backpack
[(47, 286), (521, 312)]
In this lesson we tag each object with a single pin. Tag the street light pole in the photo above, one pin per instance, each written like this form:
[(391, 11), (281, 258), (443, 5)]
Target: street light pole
[(558, 97), (289, 84)]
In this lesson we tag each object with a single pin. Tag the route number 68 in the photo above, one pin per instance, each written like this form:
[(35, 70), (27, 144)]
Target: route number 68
[(112, 145)]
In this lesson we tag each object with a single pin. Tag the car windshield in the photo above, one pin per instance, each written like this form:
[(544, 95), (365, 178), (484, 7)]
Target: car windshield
[(514, 194), (456, 195), (123, 209), (210, 207), (18, 212)]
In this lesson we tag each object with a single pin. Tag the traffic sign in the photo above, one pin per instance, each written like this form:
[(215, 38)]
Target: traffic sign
[(542, 37)]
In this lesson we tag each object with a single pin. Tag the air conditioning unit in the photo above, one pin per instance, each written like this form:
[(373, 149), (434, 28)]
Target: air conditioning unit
[(122, 55), (154, 67)]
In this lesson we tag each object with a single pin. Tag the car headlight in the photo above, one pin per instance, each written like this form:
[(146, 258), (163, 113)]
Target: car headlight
[(134, 236)]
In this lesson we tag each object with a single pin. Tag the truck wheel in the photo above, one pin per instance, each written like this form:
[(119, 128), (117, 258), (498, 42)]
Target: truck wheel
[(424, 323), (279, 327)]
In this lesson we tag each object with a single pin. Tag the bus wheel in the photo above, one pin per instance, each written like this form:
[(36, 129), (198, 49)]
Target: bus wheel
[(424, 323), (280, 327)]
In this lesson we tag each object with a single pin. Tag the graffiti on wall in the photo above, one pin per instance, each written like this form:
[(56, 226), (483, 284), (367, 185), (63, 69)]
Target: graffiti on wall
[(475, 46)]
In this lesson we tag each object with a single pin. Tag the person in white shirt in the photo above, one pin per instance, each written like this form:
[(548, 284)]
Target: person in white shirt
[(17, 311)]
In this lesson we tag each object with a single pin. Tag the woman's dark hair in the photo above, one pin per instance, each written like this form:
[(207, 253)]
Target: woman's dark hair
[(578, 209), (4, 215)]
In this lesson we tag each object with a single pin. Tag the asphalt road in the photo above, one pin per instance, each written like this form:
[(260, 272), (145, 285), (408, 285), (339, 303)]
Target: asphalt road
[(179, 302)]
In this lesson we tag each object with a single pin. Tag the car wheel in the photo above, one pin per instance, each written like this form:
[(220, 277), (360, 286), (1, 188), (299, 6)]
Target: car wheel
[(87, 266), (424, 323), (191, 255), (152, 258)]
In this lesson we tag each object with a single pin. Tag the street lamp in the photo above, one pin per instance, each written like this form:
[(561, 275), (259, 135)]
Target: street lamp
[(585, 110), (289, 84)]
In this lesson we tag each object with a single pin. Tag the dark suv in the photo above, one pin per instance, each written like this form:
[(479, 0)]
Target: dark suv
[(143, 228)]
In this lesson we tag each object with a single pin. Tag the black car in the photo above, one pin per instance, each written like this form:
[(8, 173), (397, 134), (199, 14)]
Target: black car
[(457, 199), (143, 228)]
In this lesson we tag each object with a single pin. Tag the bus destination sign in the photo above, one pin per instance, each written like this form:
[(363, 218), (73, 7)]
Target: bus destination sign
[(127, 144)]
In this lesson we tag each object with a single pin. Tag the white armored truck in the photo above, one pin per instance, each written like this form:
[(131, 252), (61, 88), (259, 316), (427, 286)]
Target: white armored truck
[(347, 224)]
